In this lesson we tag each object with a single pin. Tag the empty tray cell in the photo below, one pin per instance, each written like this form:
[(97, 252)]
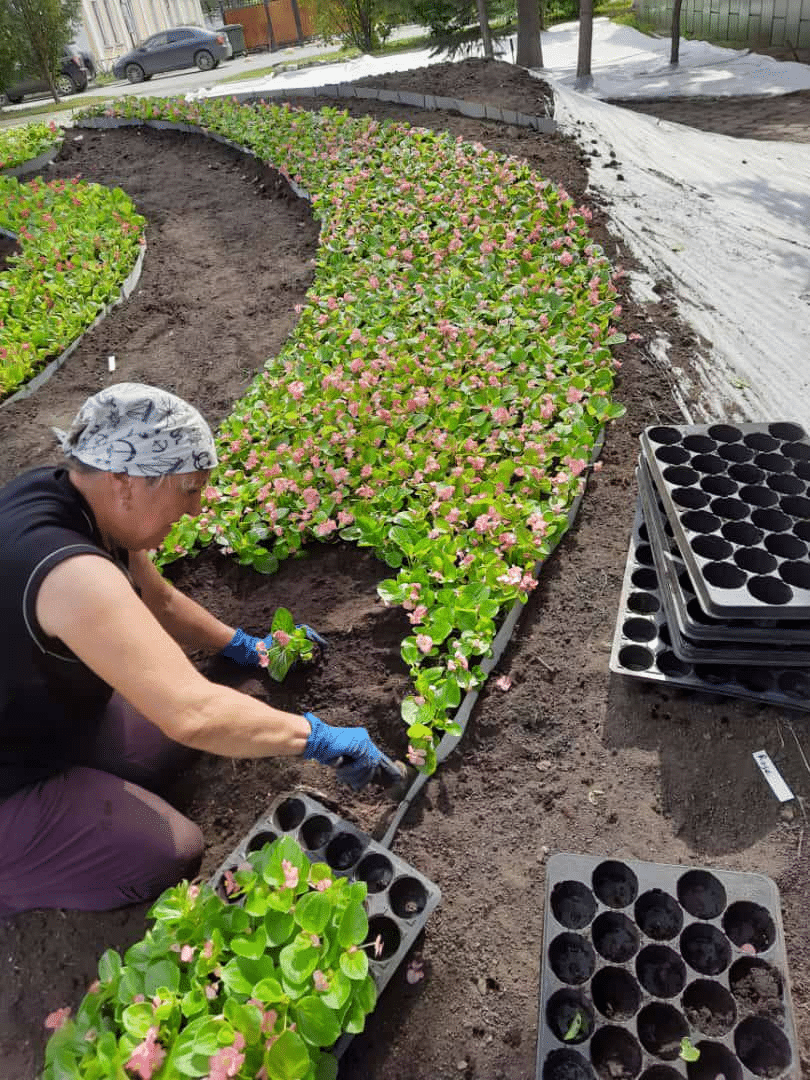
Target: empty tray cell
[(616, 994), (408, 897), (661, 1028), (316, 831), (615, 937), (658, 915), (709, 1007), (615, 1053), (622, 1013), (260, 839), (686, 489), (749, 926), (701, 894), (376, 870), (615, 883), (762, 1046), (343, 851), (705, 948), (290, 813), (661, 971), (567, 1065), (573, 904), (572, 958)]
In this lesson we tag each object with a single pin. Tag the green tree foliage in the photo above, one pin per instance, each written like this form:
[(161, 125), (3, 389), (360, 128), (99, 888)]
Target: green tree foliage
[(363, 24), (37, 31), (456, 25)]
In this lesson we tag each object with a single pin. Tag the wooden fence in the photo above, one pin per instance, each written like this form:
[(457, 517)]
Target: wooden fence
[(253, 20)]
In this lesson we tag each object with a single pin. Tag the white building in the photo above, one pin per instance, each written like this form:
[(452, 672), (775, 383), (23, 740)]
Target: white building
[(110, 28)]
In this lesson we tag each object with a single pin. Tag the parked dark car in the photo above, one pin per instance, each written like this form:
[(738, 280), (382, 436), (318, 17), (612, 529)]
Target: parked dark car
[(70, 79), (180, 47)]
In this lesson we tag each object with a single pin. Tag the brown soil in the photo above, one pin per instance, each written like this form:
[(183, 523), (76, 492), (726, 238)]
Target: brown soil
[(571, 758)]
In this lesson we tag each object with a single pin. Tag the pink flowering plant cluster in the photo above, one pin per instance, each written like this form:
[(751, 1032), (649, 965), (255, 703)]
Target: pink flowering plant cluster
[(26, 142), (442, 394), (77, 244), (254, 985), (290, 644)]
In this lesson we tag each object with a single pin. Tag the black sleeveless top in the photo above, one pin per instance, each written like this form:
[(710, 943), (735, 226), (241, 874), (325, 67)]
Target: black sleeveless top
[(49, 700)]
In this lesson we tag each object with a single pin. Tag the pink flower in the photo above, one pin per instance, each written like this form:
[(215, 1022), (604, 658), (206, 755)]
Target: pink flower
[(290, 874), (504, 683), (228, 1061), (282, 638), (187, 953), (208, 949), (296, 390), (54, 1020), (414, 972), (573, 395), (416, 756), (324, 528), (323, 884), (320, 980), (424, 643), (147, 1057)]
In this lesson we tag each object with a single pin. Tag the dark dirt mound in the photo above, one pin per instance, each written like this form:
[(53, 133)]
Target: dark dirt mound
[(570, 758)]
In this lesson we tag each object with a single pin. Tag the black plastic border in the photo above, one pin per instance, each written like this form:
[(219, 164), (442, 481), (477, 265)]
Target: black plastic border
[(128, 287), (32, 165)]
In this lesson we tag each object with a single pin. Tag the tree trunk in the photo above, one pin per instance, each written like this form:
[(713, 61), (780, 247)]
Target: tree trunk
[(271, 37), (529, 46), (486, 36), (297, 16), (585, 43), (676, 33)]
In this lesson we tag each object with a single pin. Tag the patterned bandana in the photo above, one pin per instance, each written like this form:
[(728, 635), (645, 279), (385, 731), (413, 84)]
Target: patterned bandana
[(140, 430)]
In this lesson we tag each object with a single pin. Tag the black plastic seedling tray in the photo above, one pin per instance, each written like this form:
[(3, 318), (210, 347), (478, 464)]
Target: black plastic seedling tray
[(722, 644), (399, 899), (642, 643), (738, 500), (638, 956)]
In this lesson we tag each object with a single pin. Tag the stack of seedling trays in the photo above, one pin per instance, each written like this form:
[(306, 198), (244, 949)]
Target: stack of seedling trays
[(716, 593), (399, 898), (659, 972)]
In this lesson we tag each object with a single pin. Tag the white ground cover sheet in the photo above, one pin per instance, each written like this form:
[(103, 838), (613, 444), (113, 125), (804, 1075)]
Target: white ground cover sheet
[(725, 222)]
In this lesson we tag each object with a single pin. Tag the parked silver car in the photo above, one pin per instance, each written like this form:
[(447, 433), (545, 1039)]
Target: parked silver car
[(180, 47)]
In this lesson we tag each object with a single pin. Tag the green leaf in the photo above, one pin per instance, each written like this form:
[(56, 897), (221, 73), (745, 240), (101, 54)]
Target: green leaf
[(298, 960), (288, 1058), (353, 928), (234, 979), (688, 1051), (162, 974), (355, 1019), (313, 911), (109, 966), (137, 1019), (315, 1021), (326, 1067), (193, 1003), (252, 947), (340, 989), (354, 965), (574, 1027), (268, 991), (279, 926)]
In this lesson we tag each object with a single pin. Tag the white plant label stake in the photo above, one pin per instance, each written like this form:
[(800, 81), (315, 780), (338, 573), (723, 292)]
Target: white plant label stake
[(773, 776)]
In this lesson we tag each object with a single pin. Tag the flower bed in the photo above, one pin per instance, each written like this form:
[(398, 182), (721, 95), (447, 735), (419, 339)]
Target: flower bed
[(221, 988), (78, 242), (19, 145), (441, 396)]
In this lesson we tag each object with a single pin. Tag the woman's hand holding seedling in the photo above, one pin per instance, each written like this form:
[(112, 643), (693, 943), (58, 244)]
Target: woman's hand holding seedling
[(286, 643)]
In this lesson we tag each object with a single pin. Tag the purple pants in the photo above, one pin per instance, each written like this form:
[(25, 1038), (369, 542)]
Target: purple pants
[(96, 836)]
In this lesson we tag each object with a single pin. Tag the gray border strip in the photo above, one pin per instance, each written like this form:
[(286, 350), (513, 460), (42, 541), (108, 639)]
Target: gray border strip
[(428, 102), (42, 377), (33, 164)]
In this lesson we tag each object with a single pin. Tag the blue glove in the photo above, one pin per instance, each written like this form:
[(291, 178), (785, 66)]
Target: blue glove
[(242, 648), (313, 635), (350, 750)]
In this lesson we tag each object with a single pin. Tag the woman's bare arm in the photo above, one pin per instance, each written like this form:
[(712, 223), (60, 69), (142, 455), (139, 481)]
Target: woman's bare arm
[(88, 604)]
